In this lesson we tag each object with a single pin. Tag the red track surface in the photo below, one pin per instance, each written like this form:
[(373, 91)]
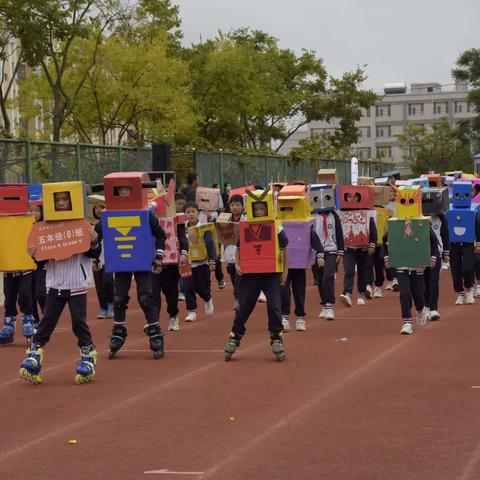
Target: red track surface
[(376, 406)]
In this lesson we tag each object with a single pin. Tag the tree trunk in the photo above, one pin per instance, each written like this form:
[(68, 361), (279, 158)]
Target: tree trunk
[(58, 113), (6, 119)]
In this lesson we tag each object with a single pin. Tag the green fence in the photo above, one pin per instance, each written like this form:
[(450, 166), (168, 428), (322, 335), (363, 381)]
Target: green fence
[(37, 162), (221, 167)]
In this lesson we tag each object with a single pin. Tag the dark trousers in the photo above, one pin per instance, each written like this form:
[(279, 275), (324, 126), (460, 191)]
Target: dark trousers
[(461, 265), (476, 267), (375, 268), (218, 271), (198, 283), (39, 291), (53, 309), (432, 285), (326, 279), (104, 287), (411, 285), (296, 282), (251, 284), (18, 287), (390, 274), (351, 258), (234, 278), (166, 282), (122, 283)]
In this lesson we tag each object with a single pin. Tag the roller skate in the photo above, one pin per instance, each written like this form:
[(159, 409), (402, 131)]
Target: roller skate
[(278, 349), (232, 344), (156, 340), (28, 324), (119, 334), (8, 331), (86, 365), (30, 368)]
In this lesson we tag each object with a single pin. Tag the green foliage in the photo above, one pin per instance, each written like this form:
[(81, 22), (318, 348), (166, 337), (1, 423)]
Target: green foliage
[(440, 150)]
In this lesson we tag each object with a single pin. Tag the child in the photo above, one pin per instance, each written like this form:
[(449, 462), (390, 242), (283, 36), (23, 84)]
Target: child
[(199, 282), (251, 284), (122, 284), (235, 207), (329, 230), (67, 282), (180, 208)]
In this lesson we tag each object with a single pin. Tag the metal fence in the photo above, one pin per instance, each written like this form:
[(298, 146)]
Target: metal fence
[(37, 162), (238, 170)]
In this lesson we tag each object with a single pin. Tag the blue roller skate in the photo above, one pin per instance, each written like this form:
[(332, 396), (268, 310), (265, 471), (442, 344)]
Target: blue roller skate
[(28, 323), (8, 331), (86, 365), (30, 368)]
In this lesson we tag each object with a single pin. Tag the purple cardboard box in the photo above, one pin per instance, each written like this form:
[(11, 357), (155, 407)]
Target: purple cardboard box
[(300, 253)]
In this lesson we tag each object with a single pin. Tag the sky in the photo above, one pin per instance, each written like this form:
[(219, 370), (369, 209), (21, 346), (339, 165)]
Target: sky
[(403, 41)]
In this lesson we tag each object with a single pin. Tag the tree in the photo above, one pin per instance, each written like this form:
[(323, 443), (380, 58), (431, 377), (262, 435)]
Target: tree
[(252, 93), (47, 30), (468, 70), (321, 146), (440, 150)]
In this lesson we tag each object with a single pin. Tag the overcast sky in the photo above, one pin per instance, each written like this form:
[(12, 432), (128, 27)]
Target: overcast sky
[(404, 41)]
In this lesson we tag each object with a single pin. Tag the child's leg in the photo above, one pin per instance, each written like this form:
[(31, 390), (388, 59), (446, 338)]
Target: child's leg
[(370, 277), (468, 260), (107, 282), (271, 288), (170, 278), (25, 298), (405, 295), (233, 277), (202, 282), (477, 267), (157, 280), (218, 271), (78, 311), (122, 283), (361, 258), (299, 285), (286, 295), (379, 266), (417, 285), (188, 285), (54, 306), (144, 295), (328, 281), (456, 267), (249, 288), (428, 275), (98, 279), (349, 267), (10, 292), (319, 272)]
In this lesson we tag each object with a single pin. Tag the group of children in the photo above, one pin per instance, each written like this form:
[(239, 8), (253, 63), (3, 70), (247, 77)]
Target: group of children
[(269, 239)]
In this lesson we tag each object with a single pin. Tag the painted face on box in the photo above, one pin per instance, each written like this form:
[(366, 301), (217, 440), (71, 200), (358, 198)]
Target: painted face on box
[(461, 225), (462, 195), (435, 201), (355, 197), (208, 199), (409, 201), (323, 198)]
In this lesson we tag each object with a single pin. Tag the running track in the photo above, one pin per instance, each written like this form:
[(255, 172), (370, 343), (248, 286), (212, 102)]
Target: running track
[(355, 400)]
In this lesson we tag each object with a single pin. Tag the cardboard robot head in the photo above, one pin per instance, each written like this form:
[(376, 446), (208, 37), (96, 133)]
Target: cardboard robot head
[(434, 180), (96, 203), (323, 198), (462, 194), (35, 195), (327, 176), (64, 201), (124, 191), (260, 206), (435, 201), (408, 200), (208, 199), (421, 182), (164, 200), (293, 203), (358, 197), (13, 199)]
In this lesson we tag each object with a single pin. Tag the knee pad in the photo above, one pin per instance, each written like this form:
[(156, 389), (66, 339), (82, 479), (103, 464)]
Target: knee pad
[(120, 302), (145, 300)]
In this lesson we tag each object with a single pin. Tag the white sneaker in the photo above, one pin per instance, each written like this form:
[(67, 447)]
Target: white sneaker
[(322, 313), (209, 307), (173, 325), (389, 285), (407, 328), (369, 292), (445, 265), (395, 286), (460, 300), (469, 300), (361, 301), (434, 315), (477, 291), (262, 298), (191, 317), (181, 297), (329, 314), (286, 323), (300, 325), (236, 305), (377, 292), (422, 318), (346, 299)]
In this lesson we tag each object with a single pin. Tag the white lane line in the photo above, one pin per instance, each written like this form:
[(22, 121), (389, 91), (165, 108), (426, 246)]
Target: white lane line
[(168, 472)]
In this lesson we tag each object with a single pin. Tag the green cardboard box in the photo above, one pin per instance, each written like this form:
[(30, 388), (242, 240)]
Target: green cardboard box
[(409, 249)]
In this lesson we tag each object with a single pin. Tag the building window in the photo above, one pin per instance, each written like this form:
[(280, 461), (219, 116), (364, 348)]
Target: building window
[(415, 108), (468, 107), (457, 107), (383, 110), (368, 112), (369, 132)]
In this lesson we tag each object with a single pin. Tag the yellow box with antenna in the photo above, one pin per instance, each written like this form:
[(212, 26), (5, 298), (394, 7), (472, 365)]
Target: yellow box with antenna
[(260, 206)]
